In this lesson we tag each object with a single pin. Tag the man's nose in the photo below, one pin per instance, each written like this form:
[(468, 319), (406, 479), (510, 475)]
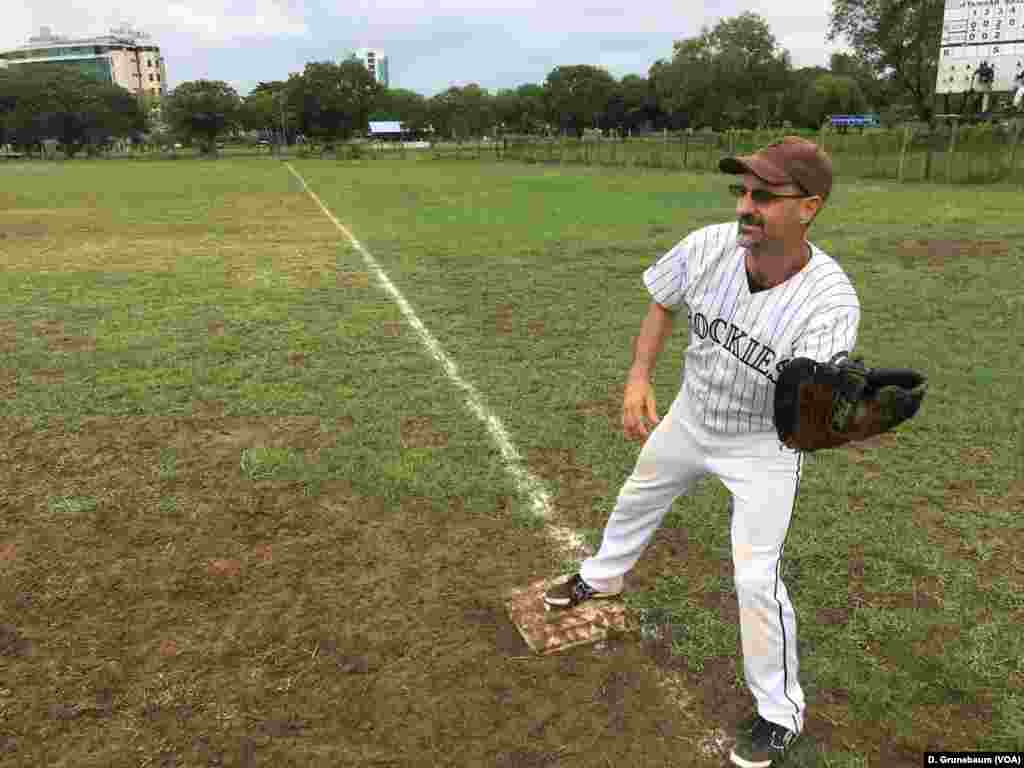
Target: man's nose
[(744, 205)]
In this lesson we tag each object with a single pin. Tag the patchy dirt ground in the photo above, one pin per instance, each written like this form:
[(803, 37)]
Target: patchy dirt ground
[(936, 255), (162, 608), (187, 615)]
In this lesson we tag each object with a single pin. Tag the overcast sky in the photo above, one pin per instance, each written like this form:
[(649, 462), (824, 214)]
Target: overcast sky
[(430, 44)]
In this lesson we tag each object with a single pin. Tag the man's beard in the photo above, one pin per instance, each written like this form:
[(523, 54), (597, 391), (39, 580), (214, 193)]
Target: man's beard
[(751, 238)]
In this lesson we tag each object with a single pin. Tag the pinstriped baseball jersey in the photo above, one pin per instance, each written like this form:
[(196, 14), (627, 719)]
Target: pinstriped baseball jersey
[(739, 341)]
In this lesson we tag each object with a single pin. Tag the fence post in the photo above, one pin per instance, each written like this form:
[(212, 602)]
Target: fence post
[(907, 133), (712, 145), (686, 146), (1013, 150), (951, 151), (928, 159), (970, 142)]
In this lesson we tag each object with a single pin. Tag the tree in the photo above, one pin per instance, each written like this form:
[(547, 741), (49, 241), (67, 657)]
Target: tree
[(732, 75), (794, 99), (442, 108), (878, 91), (108, 111), (333, 101), (897, 39), (58, 102), (751, 67), (507, 110), (408, 107), (8, 103), (266, 110), (477, 110), (639, 101), (831, 95), (270, 86), (462, 112), (521, 110), (28, 105), (203, 110), (578, 94), (684, 85), (613, 116), (260, 111), (534, 114)]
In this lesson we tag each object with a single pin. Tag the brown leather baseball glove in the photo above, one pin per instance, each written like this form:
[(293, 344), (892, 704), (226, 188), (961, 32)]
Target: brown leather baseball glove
[(825, 405)]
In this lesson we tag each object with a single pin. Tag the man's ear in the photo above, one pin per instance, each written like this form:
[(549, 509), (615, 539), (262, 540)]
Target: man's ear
[(809, 208)]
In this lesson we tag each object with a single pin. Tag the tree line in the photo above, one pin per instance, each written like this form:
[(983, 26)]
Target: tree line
[(39, 103), (734, 75)]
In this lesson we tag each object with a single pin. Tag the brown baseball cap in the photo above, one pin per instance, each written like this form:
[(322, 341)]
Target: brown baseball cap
[(791, 160)]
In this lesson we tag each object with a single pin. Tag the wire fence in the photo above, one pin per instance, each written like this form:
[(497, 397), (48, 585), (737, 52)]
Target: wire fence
[(957, 154), (975, 154)]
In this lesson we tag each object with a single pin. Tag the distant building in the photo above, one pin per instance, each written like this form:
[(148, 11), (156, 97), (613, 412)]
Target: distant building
[(376, 63), (125, 57), (386, 129)]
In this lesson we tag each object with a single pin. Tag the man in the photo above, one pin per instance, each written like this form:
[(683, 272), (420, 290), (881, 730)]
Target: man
[(757, 294)]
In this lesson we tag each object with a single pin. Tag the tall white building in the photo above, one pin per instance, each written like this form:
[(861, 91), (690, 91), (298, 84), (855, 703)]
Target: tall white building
[(376, 63), (125, 57)]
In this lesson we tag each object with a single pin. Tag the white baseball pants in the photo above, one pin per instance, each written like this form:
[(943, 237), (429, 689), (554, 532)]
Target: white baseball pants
[(763, 480)]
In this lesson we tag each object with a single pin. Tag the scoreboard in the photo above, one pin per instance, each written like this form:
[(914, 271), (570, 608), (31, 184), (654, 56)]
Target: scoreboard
[(976, 31)]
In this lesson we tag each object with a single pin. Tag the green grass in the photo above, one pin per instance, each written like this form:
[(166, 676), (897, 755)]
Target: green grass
[(566, 247), (72, 505), (139, 301)]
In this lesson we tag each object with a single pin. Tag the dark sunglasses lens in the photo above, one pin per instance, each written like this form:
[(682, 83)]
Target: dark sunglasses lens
[(759, 196)]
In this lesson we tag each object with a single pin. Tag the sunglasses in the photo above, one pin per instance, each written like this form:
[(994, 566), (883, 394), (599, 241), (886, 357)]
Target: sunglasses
[(760, 196)]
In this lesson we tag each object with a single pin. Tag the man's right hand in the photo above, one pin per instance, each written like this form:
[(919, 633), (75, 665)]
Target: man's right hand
[(638, 408)]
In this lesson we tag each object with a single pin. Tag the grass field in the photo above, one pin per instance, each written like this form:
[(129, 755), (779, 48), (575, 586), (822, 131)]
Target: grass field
[(247, 519)]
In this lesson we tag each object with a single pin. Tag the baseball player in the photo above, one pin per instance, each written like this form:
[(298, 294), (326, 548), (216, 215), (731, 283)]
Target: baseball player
[(757, 294)]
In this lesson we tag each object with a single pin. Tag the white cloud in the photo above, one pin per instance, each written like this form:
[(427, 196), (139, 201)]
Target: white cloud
[(206, 23), (431, 43), (262, 20)]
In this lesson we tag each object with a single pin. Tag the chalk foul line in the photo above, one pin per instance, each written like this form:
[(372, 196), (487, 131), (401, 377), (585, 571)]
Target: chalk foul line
[(528, 485)]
